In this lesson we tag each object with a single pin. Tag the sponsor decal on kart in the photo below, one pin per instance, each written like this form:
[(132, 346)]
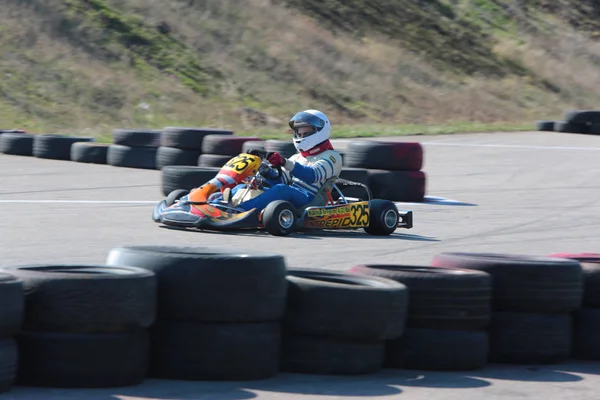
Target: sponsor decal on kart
[(354, 215)]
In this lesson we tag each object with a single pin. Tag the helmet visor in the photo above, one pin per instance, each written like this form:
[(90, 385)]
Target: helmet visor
[(304, 119)]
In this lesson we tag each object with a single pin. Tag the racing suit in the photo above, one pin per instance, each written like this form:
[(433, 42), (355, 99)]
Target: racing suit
[(306, 172)]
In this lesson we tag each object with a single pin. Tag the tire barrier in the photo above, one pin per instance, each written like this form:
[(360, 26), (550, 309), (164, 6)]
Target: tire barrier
[(131, 157), (586, 320), (89, 152), (390, 169), (394, 168), (56, 147), (532, 303), (17, 144), (448, 311), (218, 311), (284, 147), (185, 177), (84, 326), (575, 121), (320, 337), (12, 298), (197, 313)]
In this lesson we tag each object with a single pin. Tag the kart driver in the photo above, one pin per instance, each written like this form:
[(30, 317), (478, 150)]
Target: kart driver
[(305, 172)]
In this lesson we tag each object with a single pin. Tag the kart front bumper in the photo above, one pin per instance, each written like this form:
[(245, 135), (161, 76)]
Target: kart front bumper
[(183, 219)]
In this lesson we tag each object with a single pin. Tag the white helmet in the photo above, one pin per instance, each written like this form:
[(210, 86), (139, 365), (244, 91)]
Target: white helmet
[(315, 119)]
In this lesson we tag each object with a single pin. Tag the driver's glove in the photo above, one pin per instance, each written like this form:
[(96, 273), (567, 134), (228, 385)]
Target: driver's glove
[(275, 159)]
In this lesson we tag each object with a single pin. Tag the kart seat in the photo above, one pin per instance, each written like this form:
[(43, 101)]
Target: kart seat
[(323, 195)]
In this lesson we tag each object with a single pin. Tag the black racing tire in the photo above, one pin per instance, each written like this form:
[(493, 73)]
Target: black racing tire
[(214, 351), (17, 144), (527, 338), (571, 127), (381, 215), (406, 186), (166, 156), (524, 283), (590, 265), (279, 218), (213, 160), (88, 298), (57, 147), (438, 350), (586, 331), (175, 195), (582, 116), (75, 360), (253, 145), (9, 360), (209, 284), (188, 138), (12, 299), (544, 126), (137, 137), (284, 147), (175, 177), (440, 298), (319, 355), (131, 157), (389, 156), (89, 152), (225, 145), (343, 305)]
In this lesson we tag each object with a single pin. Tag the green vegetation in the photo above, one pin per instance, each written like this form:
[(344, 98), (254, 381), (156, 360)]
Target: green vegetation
[(382, 67)]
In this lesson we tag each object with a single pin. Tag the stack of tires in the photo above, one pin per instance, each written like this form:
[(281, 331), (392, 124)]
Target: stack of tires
[(184, 146), (219, 312), (89, 152), (12, 298), (394, 168), (84, 326), (337, 323), (56, 147), (134, 148), (575, 121), (284, 147), (175, 177), (532, 304), (586, 320), (448, 313), (218, 149)]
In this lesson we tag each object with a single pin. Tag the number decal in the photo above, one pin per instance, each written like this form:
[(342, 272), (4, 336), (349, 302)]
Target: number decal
[(239, 163), (354, 215), (360, 214)]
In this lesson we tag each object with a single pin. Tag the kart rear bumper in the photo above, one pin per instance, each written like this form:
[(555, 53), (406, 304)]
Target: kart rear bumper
[(405, 219)]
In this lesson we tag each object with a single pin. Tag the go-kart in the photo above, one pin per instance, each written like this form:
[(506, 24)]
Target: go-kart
[(202, 207)]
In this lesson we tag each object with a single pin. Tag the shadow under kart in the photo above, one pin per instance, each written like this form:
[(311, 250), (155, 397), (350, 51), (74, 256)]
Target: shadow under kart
[(329, 210)]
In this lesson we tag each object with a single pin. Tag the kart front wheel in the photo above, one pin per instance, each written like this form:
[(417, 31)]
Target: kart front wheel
[(279, 218), (383, 218), (174, 196)]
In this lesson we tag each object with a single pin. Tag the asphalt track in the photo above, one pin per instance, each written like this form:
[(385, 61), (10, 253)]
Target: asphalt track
[(522, 193)]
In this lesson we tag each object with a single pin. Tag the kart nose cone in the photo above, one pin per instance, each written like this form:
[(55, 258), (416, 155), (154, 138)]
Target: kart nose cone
[(175, 216), (180, 218)]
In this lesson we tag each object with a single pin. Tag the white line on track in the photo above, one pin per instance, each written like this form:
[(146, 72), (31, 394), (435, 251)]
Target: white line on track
[(514, 146), (80, 201), (427, 200)]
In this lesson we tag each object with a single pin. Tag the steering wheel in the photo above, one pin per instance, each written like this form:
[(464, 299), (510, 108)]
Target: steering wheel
[(263, 155)]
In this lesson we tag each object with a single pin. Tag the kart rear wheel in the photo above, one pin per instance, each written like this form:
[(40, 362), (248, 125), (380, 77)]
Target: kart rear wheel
[(175, 195), (383, 218), (279, 218)]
